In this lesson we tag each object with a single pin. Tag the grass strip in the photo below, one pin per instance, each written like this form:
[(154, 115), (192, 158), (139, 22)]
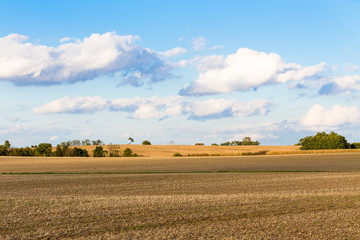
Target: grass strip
[(123, 173)]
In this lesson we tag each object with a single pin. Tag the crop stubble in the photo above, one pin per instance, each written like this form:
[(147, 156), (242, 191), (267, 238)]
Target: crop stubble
[(247, 205)]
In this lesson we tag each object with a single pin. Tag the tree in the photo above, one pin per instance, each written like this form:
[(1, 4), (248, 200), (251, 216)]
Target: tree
[(78, 152), (129, 153), (322, 140), (3, 151), (114, 150), (99, 152), (44, 149), (97, 142), (86, 142), (146, 142), (7, 144), (131, 140), (58, 152)]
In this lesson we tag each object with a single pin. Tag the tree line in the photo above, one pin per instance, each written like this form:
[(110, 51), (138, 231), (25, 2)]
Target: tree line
[(245, 141), (64, 150)]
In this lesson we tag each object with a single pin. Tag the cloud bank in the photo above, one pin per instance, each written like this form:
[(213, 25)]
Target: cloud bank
[(24, 63), (247, 69), (158, 108)]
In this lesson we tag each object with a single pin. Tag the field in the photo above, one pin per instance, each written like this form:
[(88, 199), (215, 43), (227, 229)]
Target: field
[(307, 196), (160, 151)]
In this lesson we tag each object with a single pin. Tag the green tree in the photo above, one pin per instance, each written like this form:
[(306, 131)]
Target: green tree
[(129, 153), (322, 140), (99, 152), (7, 144), (97, 142), (146, 142), (44, 149), (131, 140), (58, 152), (3, 151)]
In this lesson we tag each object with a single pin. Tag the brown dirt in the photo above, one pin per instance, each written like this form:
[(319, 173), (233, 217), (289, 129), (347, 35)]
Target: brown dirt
[(181, 206)]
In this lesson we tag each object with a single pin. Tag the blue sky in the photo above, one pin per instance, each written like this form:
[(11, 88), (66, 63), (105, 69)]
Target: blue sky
[(186, 71)]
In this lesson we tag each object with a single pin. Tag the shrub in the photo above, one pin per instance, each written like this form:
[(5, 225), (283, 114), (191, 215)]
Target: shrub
[(177, 154), (199, 144), (146, 142), (214, 144), (129, 153)]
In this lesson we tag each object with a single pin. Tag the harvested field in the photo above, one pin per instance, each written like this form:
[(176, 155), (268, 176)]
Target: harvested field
[(183, 205), (303, 162), (161, 151)]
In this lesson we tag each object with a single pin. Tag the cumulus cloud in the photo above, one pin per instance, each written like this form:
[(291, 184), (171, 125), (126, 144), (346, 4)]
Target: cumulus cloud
[(73, 105), (173, 52), (248, 69), (320, 118), (24, 63), (218, 108), (199, 43), (159, 108), (341, 84)]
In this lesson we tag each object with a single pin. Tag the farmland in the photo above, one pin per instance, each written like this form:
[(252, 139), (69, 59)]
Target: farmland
[(307, 196)]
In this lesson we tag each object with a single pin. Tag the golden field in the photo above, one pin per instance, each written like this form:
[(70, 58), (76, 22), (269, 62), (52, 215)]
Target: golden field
[(307, 196), (160, 151)]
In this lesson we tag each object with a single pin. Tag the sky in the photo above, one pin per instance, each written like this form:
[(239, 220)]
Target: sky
[(178, 72)]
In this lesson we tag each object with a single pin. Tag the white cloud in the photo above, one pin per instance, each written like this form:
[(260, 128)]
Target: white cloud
[(217, 47), (320, 118), (53, 138), (159, 108), (204, 63), (73, 105), (25, 63), (199, 43), (217, 108), (65, 39), (248, 69), (173, 52), (341, 84)]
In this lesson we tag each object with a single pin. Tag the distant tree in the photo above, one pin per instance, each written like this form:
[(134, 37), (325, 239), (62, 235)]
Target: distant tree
[(97, 142), (3, 150), (58, 152), (131, 140), (44, 149), (86, 142), (248, 141), (214, 144), (225, 144), (322, 140), (78, 152), (76, 143), (7, 144), (199, 144), (245, 141), (129, 153), (99, 152), (114, 150), (146, 142), (24, 152)]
